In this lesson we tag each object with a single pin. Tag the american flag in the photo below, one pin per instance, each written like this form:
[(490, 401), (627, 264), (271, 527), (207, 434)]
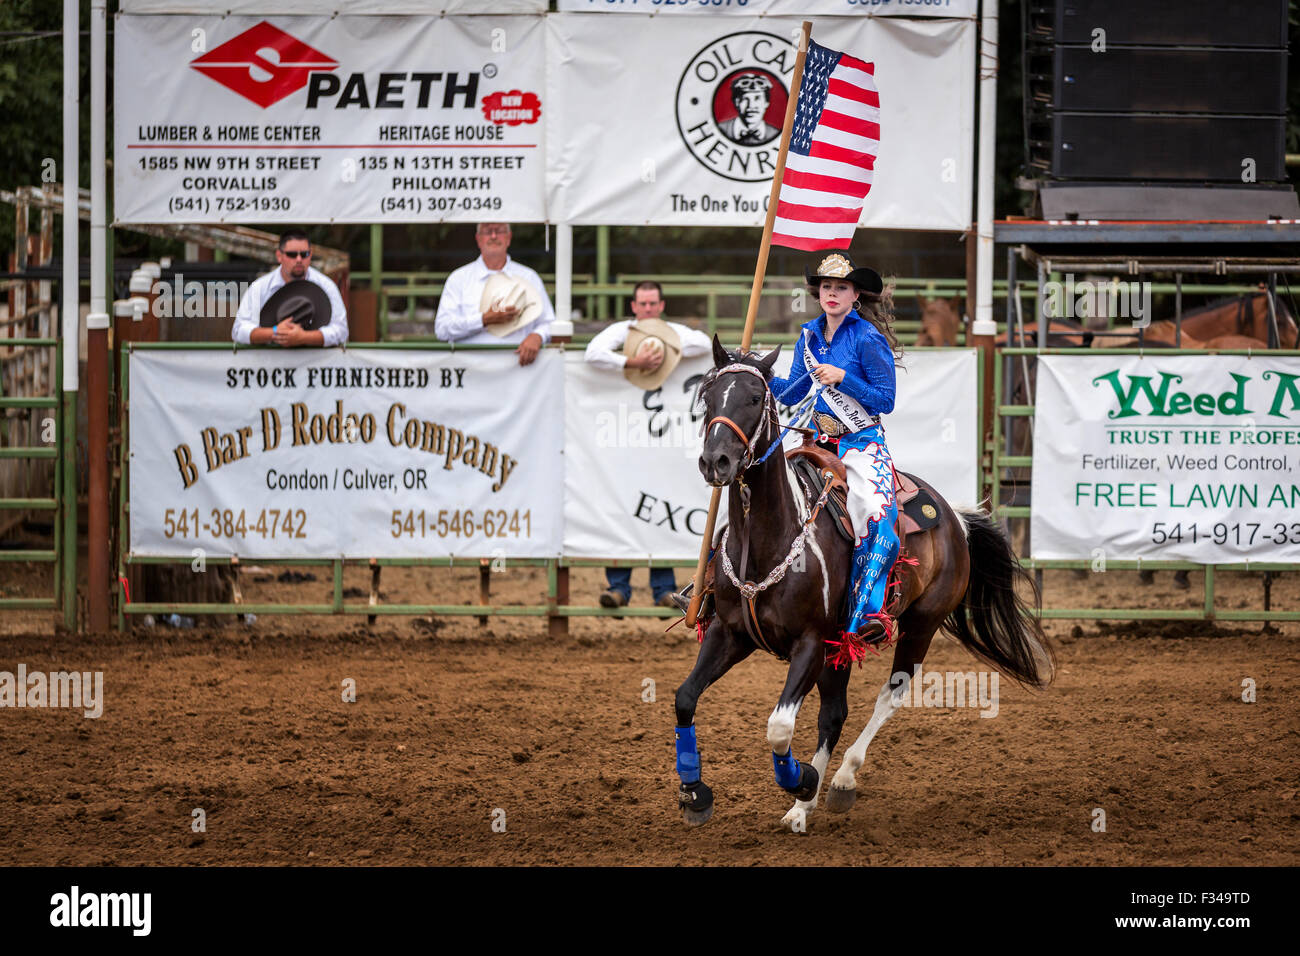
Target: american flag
[(832, 153)]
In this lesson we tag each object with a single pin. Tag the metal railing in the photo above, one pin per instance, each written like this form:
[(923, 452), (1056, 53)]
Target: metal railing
[(22, 414)]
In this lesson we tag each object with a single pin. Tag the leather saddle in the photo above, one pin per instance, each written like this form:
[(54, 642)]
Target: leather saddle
[(917, 509)]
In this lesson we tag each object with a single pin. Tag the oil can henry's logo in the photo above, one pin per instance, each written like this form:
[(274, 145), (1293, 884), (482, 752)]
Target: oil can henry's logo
[(731, 104), (263, 64)]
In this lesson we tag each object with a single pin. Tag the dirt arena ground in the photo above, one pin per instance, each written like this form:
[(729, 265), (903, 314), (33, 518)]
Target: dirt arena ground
[(454, 723)]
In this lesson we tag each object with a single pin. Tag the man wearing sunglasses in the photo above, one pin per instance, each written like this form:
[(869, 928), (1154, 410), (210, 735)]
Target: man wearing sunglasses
[(464, 318), (294, 256)]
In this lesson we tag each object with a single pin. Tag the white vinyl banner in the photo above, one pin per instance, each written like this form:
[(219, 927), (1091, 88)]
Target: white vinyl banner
[(329, 8), (318, 119), (769, 8), (933, 431), (633, 488), (359, 453), (1193, 458), (632, 483), (648, 131)]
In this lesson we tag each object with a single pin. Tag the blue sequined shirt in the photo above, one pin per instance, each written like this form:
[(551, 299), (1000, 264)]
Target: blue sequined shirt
[(860, 349)]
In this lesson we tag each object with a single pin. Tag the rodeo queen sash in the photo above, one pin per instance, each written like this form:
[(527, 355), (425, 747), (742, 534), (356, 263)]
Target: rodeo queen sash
[(848, 410)]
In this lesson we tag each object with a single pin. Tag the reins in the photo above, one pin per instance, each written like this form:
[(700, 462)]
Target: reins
[(748, 589)]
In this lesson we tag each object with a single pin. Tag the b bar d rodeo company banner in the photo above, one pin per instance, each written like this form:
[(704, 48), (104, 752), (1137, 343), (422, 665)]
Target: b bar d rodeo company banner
[(359, 453), (1193, 458), (633, 488), (329, 119), (679, 121)]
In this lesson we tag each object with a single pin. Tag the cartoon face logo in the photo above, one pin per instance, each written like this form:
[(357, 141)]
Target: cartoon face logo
[(731, 102), (751, 98)]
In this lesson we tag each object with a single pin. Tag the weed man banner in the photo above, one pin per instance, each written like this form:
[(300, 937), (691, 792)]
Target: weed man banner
[(363, 453), (1193, 458)]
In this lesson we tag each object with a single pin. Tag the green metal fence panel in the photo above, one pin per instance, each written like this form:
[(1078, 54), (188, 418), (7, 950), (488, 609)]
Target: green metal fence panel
[(61, 503)]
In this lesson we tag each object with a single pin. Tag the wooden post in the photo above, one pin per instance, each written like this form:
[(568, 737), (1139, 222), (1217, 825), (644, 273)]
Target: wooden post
[(760, 272), (558, 624), (484, 586), (375, 570), (98, 582)]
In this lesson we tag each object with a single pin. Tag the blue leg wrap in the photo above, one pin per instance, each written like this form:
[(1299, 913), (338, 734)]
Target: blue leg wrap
[(688, 755), (787, 770)]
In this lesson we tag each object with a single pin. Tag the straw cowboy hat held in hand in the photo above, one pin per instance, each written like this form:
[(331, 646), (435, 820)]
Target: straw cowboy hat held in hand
[(650, 337), (506, 292), (301, 300)]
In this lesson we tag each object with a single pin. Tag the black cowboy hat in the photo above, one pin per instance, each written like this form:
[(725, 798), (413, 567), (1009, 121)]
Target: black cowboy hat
[(301, 300), (836, 266)]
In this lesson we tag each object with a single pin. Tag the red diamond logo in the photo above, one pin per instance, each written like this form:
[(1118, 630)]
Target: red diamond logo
[(263, 64)]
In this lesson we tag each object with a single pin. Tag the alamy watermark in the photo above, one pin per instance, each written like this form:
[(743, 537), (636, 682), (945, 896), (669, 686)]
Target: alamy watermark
[(947, 689), (74, 689), (77, 909), (177, 298), (1092, 300)]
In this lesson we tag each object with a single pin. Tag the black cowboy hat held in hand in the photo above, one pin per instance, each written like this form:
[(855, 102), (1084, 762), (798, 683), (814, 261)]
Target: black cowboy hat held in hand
[(301, 300)]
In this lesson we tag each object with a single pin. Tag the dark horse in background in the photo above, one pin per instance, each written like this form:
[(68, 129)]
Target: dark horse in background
[(963, 580)]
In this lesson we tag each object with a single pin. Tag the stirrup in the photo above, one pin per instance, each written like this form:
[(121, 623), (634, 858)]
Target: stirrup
[(874, 631), (682, 600)]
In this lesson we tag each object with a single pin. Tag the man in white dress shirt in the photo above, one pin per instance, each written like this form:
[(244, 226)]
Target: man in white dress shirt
[(294, 256), (460, 316), (604, 351)]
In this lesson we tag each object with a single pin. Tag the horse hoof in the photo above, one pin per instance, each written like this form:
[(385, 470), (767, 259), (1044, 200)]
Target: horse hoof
[(796, 821), (696, 803), (840, 801), (697, 818)]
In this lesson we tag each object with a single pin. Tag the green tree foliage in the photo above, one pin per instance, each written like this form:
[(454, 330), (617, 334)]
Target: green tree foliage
[(31, 96)]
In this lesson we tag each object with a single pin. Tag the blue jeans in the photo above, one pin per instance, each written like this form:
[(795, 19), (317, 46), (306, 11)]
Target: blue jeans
[(661, 581)]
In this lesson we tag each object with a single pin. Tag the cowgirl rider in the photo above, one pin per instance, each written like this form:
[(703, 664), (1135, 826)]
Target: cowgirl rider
[(851, 354)]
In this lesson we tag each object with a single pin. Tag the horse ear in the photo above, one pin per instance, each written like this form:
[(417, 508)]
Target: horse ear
[(721, 357), (768, 360), (957, 302), (922, 301)]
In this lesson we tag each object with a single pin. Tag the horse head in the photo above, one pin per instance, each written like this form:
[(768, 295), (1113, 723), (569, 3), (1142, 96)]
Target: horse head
[(940, 321), (739, 411)]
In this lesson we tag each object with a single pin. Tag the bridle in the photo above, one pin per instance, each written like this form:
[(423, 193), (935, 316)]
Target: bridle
[(749, 590), (765, 422)]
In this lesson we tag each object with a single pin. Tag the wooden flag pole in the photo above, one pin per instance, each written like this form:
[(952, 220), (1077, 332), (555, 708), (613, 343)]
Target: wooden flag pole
[(760, 272)]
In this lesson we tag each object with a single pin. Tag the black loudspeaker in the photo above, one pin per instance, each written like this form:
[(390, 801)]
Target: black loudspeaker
[(1144, 146), (1156, 91), (1146, 79), (1253, 23)]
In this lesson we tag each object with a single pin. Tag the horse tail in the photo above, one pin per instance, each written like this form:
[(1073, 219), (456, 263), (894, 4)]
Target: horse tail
[(993, 621)]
